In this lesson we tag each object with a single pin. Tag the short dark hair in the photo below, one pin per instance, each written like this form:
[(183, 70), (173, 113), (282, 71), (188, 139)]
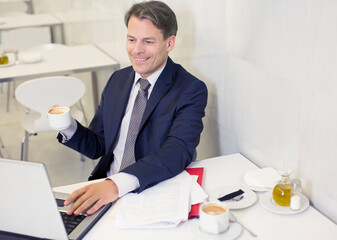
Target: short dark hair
[(158, 13)]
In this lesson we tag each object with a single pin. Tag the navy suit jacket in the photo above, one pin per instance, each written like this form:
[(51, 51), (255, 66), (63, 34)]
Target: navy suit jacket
[(169, 132)]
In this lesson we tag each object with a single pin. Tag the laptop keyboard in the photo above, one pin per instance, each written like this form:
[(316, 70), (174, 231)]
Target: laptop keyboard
[(71, 221)]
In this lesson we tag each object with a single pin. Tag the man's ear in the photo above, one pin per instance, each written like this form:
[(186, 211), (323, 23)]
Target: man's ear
[(171, 43)]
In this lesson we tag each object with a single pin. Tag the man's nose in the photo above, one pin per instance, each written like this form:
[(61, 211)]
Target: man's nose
[(139, 47)]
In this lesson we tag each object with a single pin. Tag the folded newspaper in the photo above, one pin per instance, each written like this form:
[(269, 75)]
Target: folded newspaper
[(164, 205)]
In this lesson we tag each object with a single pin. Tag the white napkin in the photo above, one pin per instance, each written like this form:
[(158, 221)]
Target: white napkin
[(30, 57), (262, 178)]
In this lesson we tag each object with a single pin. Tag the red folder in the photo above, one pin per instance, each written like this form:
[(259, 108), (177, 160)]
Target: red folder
[(195, 208)]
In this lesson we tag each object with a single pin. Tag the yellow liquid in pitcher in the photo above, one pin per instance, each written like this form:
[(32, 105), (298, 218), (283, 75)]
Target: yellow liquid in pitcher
[(282, 194), (3, 59)]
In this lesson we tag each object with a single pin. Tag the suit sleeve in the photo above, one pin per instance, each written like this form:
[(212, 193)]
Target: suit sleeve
[(89, 141)]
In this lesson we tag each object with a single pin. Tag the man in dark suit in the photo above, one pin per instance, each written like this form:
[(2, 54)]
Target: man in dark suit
[(171, 125)]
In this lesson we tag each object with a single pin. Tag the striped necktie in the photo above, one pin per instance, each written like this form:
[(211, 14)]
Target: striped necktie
[(136, 118)]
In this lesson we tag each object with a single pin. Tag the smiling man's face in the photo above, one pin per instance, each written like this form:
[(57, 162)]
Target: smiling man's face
[(146, 46)]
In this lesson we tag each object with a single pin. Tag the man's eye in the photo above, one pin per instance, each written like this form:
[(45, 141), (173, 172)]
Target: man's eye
[(149, 42), (131, 40)]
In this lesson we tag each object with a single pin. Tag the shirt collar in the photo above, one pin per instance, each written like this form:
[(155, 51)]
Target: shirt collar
[(152, 78)]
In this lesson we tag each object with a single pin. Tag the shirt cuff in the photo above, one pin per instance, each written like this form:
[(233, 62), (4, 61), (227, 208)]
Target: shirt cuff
[(125, 182), (69, 132)]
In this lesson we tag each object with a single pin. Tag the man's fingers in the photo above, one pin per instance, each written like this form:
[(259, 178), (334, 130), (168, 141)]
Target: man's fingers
[(77, 198), (86, 204), (54, 106), (75, 206), (94, 208), (75, 195), (92, 196)]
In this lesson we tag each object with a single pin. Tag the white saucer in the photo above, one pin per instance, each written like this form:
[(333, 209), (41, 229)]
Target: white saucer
[(234, 231), (249, 197), (268, 203), (11, 63)]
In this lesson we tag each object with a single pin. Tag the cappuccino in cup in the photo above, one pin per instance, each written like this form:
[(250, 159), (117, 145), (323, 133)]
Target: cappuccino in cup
[(214, 209), (214, 217), (59, 118), (57, 110)]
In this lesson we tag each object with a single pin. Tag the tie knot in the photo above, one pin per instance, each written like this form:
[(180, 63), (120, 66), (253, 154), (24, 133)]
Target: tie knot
[(144, 84)]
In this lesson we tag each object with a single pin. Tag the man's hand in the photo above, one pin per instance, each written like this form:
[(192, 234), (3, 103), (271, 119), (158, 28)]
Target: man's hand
[(96, 194)]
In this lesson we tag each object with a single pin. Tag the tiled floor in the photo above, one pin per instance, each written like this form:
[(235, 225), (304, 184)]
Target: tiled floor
[(63, 164)]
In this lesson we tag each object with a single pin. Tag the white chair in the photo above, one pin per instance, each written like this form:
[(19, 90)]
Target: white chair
[(53, 46), (38, 95), (21, 40)]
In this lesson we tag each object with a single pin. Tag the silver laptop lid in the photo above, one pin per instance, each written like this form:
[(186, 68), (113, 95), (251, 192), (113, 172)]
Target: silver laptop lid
[(27, 203)]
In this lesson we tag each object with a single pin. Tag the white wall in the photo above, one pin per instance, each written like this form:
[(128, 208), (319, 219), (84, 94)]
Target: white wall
[(270, 67), (281, 89)]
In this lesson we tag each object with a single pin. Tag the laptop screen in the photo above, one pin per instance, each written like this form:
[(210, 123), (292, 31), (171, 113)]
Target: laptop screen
[(27, 204)]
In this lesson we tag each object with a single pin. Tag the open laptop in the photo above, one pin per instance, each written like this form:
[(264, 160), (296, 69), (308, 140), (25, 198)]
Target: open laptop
[(29, 209)]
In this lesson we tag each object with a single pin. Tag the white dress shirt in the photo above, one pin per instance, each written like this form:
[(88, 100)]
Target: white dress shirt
[(124, 181)]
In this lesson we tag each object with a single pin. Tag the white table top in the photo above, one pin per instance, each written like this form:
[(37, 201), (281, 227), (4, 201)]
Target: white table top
[(61, 61), (29, 20), (224, 171)]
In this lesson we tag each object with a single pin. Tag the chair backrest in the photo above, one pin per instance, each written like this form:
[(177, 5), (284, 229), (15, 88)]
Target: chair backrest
[(41, 93)]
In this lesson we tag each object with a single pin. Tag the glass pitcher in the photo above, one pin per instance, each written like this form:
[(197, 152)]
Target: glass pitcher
[(282, 190), (3, 59)]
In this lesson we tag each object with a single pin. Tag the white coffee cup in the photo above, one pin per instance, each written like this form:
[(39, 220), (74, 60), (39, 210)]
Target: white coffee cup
[(214, 217), (59, 117)]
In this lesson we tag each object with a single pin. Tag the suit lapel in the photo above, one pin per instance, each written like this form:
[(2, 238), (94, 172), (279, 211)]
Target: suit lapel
[(116, 108), (163, 84)]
